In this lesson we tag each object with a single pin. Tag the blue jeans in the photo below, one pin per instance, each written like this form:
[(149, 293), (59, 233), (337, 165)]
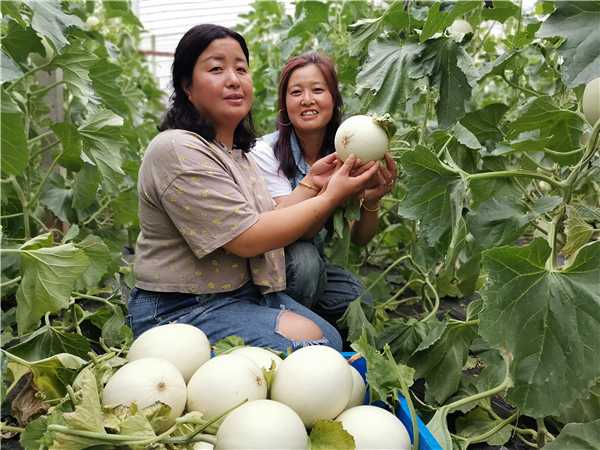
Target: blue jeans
[(244, 312), (323, 287)]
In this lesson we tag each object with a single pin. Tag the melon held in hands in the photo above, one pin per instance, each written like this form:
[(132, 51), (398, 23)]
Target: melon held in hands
[(365, 136)]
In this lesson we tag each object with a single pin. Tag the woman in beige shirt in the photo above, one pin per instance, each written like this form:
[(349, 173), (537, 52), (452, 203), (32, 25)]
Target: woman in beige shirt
[(210, 248)]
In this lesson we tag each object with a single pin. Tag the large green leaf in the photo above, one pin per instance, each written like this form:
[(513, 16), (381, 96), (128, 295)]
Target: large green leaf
[(121, 9), (330, 435), (580, 436), (47, 341), (105, 78), (450, 69), (50, 21), (49, 274), (442, 13), (386, 75), (578, 22), (75, 64), (71, 145), (309, 15), (85, 186), (102, 145), (500, 10), (19, 42), (433, 191), (15, 151), (478, 422), (563, 126), (484, 123), (99, 257), (550, 323), (10, 71), (441, 364), (585, 409), (58, 198)]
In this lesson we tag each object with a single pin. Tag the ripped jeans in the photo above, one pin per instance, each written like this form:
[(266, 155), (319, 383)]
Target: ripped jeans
[(244, 312)]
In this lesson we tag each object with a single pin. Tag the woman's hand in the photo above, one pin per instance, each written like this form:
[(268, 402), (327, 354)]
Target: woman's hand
[(320, 172), (343, 183), (381, 184)]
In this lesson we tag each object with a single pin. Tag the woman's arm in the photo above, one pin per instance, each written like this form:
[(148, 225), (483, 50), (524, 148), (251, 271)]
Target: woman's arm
[(278, 228)]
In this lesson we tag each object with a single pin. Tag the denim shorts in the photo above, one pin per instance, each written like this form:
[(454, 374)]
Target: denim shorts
[(244, 312)]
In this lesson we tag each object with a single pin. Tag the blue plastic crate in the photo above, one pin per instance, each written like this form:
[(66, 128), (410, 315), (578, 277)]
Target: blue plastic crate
[(426, 439)]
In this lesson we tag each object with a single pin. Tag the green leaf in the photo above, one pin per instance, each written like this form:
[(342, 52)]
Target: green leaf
[(385, 377), (576, 22), (12, 9), (432, 192), (52, 375), (356, 321), (441, 364), (438, 427), (386, 75), (57, 198), (10, 71), (501, 10), (85, 187), (99, 257), (584, 409), (580, 436), (15, 151), (115, 331), (450, 69), (102, 144), (47, 341), (465, 137), (125, 208), (309, 15), (121, 9), (49, 275), (442, 14), (484, 123), (105, 77), (404, 336), (19, 42), (227, 344), (50, 21), (550, 318), (330, 435), (478, 422), (563, 125), (71, 145), (578, 232), (75, 64)]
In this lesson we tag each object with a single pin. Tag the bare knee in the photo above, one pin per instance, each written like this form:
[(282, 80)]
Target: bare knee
[(298, 328)]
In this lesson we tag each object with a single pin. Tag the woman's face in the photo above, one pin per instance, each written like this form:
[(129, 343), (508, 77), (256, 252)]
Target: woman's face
[(308, 100), (221, 87)]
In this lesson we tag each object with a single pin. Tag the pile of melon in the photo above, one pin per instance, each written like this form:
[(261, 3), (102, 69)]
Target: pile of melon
[(173, 364)]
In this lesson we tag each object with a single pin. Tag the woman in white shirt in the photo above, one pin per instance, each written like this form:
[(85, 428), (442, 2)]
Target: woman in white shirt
[(310, 107)]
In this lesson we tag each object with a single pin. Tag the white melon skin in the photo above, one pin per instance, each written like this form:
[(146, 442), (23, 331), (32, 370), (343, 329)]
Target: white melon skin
[(359, 388), (314, 381), (374, 428), (264, 425), (262, 357), (224, 382), (146, 381), (591, 101), (186, 346), (459, 28), (363, 137)]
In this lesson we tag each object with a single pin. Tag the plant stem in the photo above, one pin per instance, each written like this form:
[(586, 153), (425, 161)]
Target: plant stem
[(11, 428), (436, 305), (9, 216), (39, 137), (515, 173), (10, 282), (521, 88), (541, 432), (485, 436), (24, 205), (46, 89), (8, 251), (90, 297), (48, 172), (383, 274)]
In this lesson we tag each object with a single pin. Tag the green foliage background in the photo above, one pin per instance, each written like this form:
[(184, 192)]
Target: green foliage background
[(486, 270)]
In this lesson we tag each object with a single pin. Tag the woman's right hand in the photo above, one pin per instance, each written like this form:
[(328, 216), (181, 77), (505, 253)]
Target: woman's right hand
[(320, 172), (344, 184)]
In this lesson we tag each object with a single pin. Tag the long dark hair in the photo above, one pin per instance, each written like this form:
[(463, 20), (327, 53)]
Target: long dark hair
[(283, 146), (181, 113)]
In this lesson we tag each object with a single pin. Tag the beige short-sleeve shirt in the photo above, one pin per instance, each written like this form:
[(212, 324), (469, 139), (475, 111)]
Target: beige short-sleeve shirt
[(194, 197)]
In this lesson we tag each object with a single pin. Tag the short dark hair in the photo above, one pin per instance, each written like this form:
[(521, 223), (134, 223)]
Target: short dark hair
[(283, 147), (181, 113)]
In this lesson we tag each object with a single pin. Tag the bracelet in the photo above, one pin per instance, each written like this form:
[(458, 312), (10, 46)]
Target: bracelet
[(363, 206), (309, 186)]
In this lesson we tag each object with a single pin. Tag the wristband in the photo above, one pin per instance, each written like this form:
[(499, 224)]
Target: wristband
[(307, 185), (363, 206)]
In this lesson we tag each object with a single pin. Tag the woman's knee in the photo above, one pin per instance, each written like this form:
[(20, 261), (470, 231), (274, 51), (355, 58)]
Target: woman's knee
[(298, 328)]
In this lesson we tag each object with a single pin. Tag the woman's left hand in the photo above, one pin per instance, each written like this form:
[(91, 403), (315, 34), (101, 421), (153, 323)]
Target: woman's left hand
[(382, 183)]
